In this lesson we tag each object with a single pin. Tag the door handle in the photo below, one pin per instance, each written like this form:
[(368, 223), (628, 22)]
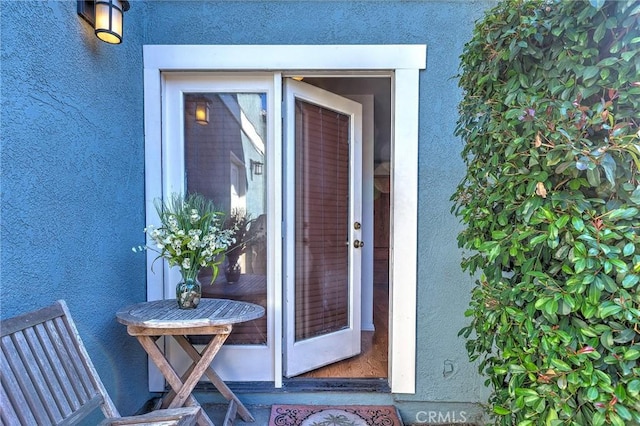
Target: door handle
[(358, 244)]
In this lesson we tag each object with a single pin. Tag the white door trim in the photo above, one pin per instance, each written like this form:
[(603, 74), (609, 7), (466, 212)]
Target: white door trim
[(403, 62), (284, 57)]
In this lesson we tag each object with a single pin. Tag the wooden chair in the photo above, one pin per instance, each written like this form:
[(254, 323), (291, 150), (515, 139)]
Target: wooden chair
[(47, 377)]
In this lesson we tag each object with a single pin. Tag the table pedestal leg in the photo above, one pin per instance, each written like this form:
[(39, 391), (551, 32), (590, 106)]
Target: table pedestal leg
[(215, 379)]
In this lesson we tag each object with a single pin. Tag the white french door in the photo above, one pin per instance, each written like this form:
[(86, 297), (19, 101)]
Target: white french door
[(216, 129), (217, 156), (323, 183)]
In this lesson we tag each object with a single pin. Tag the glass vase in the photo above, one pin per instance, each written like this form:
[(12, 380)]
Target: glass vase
[(188, 293), (232, 270)]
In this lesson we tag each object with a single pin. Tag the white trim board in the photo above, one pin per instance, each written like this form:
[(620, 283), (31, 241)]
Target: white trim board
[(284, 57), (403, 63)]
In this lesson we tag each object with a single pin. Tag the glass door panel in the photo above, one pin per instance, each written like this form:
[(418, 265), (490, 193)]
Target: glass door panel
[(322, 221), (224, 149)]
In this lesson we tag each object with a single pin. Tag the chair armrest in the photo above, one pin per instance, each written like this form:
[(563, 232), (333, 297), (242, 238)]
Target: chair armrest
[(186, 416)]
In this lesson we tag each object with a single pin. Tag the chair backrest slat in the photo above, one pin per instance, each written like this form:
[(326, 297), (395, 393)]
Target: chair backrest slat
[(8, 415), (47, 376), (21, 362), (23, 349), (74, 373), (40, 345), (17, 411)]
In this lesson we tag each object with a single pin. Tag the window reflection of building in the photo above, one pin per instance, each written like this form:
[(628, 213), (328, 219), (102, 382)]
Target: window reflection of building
[(219, 159)]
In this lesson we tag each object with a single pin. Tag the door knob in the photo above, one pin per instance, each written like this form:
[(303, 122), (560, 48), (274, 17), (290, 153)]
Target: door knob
[(356, 225), (358, 243)]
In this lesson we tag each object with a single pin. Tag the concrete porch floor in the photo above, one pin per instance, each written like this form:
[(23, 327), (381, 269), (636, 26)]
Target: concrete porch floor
[(217, 412)]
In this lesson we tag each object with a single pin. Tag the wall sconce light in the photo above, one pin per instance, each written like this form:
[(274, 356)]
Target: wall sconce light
[(106, 17), (256, 167), (202, 112)]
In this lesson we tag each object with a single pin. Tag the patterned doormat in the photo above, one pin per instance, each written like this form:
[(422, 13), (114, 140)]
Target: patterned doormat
[(345, 415)]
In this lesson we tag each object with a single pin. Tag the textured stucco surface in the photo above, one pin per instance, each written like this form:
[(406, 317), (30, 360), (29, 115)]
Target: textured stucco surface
[(73, 178)]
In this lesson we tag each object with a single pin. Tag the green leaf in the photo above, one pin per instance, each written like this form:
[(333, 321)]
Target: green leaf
[(597, 3), (616, 420), (635, 195), (517, 369), (623, 412), (628, 213), (541, 302), (498, 235), (562, 383), (588, 332), (631, 354), (630, 280), (608, 164), (577, 223), (594, 294), (599, 418), (606, 339), (619, 264), (590, 72), (633, 387), (551, 307), (560, 365), (629, 249), (589, 311), (609, 308), (562, 221), (625, 336), (564, 308), (627, 55), (501, 411), (593, 177), (598, 34), (609, 283)]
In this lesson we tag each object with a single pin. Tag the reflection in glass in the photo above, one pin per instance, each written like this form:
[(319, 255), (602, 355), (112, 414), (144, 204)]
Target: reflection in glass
[(225, 161)]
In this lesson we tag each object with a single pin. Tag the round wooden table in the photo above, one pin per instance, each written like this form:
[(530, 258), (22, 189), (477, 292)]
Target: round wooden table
[(148, 321)]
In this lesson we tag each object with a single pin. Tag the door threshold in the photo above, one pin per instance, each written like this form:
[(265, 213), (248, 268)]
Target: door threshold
[(301, 385), (337, 384)]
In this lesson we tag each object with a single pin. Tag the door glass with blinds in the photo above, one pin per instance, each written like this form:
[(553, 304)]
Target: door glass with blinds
[(224, 150), (321, 221), (324, 209)]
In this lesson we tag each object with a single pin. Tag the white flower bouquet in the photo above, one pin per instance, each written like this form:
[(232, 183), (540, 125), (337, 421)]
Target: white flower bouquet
[(192, 235)]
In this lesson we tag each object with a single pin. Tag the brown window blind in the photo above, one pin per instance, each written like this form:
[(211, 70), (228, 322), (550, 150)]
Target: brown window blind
[(321, 221)]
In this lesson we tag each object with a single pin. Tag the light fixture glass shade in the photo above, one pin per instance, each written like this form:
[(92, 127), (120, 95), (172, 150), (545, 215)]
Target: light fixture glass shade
[(202, 112), (109, 16), (256, 167)]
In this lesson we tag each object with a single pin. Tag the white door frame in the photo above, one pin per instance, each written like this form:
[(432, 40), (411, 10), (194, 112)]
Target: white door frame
[(400, 62)]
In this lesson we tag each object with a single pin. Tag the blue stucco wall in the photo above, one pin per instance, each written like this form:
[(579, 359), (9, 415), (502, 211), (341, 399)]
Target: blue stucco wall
[(446, 381), (73, 180)]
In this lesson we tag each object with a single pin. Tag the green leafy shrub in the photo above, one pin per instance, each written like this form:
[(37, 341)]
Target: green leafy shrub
[(551, 208)]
